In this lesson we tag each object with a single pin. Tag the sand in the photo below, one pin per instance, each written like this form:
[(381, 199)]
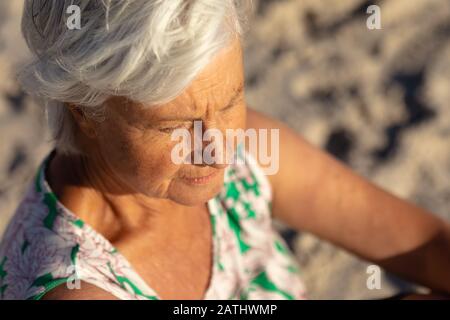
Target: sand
[(377, 99)]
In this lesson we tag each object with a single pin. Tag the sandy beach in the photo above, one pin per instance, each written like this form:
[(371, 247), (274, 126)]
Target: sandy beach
[(376, 99)]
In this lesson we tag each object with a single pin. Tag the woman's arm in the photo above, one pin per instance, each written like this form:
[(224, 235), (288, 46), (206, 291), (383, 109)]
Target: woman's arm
[(315, 192)]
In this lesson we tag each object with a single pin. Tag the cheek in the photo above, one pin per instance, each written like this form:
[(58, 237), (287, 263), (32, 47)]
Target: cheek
[(141, 161)]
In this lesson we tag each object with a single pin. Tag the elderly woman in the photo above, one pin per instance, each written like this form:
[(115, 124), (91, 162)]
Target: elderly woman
[(111, 215)]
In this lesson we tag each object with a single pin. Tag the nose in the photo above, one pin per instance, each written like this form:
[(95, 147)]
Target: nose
[(210, 144)]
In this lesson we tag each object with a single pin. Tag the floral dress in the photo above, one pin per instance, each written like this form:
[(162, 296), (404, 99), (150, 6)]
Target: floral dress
[(46, 245)]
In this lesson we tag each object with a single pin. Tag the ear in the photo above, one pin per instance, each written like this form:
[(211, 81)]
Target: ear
[(86, 125)]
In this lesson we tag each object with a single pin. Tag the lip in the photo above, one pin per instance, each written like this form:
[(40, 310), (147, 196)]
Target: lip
[(200, 180)]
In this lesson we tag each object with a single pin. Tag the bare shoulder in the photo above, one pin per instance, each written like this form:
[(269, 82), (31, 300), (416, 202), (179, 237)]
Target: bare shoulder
[(287, 136), (288, 143), (86, 291), (258, 120), (301, 169)]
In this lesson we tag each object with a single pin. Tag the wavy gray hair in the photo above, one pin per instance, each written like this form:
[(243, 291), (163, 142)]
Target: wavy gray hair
[(145, 50)]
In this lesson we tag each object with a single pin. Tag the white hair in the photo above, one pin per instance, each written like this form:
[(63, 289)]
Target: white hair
[(145, 50)]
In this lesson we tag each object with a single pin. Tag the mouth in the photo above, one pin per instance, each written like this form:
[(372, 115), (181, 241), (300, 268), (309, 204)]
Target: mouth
[(201, 180)]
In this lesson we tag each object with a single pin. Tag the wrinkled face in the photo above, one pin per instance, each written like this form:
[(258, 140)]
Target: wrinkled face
[(135, 141)]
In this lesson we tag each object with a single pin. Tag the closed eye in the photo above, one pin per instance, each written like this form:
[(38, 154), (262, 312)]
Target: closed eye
[(233, 103), (171, 129)]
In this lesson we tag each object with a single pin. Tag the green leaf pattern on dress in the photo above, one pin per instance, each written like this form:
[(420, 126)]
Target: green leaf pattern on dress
[(46, 245)]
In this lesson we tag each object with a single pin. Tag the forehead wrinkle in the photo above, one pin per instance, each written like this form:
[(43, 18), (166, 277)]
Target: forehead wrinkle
[(198, 106), (210, 89), (177, 109), (231, 100)]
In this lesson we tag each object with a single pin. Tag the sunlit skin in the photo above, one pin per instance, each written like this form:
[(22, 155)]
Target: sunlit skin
[(129, 190)]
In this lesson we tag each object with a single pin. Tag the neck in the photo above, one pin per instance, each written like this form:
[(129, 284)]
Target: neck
[(100, 200)]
